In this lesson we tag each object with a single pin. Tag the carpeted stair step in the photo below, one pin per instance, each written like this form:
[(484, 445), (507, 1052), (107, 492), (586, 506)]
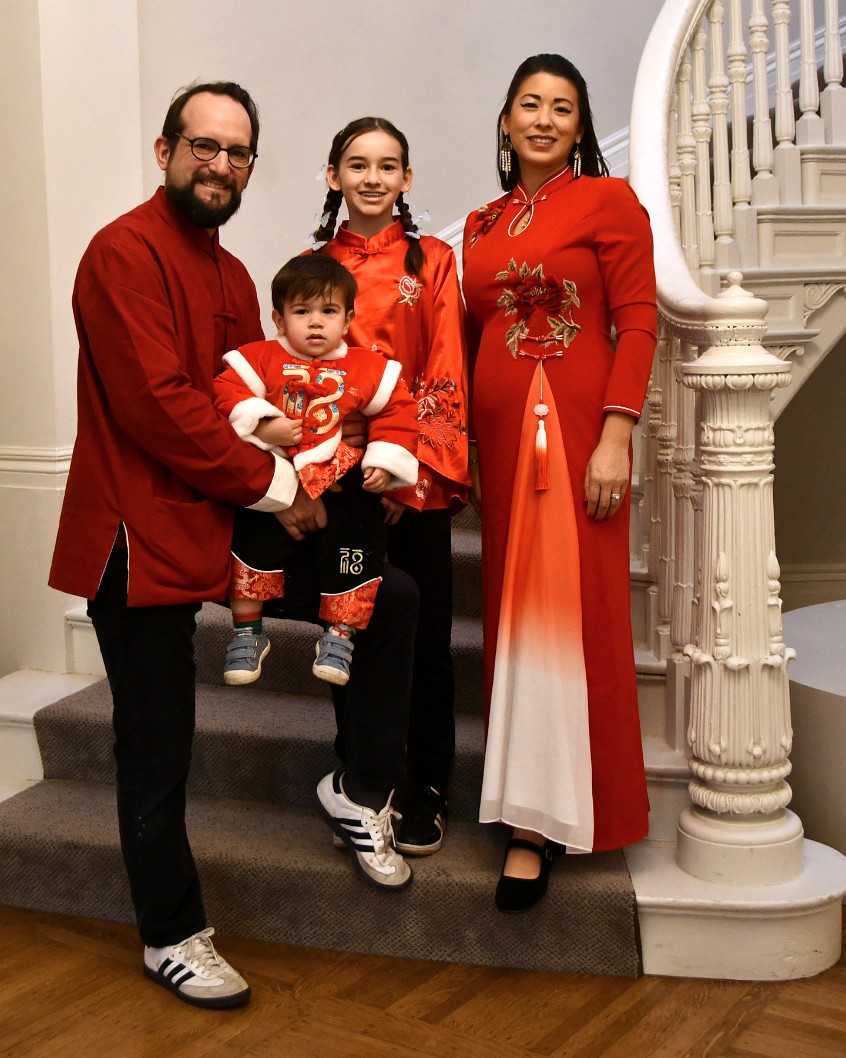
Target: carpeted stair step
[(466, 565), (272, 874), (249, 743), (287, 668)]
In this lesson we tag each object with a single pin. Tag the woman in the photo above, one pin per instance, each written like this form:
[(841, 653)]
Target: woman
[(550, 267)]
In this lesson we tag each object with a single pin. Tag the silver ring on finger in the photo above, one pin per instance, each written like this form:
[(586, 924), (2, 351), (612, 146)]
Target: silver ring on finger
[(616, 497)]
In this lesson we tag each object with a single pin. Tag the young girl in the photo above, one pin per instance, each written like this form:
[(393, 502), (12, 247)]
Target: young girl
[(409, 309)]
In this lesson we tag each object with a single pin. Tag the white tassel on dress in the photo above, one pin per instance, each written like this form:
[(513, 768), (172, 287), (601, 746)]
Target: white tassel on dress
[(541, 457)]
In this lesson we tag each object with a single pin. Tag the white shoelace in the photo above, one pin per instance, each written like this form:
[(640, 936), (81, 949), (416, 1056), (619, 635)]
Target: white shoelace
[(199, 954), (382, 831)]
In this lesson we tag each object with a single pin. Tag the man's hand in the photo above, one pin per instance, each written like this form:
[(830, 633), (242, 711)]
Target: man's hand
[(305, 515), (354, 430)]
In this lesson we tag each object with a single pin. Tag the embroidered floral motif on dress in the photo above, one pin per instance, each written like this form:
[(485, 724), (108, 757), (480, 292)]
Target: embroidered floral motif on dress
[(316, 478), (409, 288), (439, 414), (485, 220), (528, 293), (254, 584), (353, 608)]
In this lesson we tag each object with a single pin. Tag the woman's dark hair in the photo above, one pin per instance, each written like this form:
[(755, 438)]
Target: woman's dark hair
[(173, 123), (593, 164), (414, 256), (312, 276)]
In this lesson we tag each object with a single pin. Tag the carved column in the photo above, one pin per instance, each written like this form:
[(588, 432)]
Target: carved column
[(738, 829)]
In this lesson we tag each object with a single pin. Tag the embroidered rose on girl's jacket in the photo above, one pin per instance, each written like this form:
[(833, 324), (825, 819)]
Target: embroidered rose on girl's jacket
[(529, 292), (409, 288)]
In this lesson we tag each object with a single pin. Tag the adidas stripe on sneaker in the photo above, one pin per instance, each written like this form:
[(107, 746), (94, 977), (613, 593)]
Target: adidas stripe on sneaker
[(195, 972), (368, 834)]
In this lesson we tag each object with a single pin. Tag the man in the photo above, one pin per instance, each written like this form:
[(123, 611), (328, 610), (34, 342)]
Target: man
[(146, 524)]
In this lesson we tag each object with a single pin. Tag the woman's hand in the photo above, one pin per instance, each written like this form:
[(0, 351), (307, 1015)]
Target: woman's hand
[(608, 469), (475, 495), (394, 510)]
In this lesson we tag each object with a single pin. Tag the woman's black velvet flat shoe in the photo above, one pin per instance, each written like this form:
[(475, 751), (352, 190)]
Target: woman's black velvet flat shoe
[(519, 894)]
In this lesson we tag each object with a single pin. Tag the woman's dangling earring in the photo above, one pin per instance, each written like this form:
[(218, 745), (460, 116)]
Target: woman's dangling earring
[(505, 156), (577, 163)]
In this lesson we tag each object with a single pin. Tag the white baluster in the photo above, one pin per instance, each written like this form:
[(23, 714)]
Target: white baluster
[(725, 249), (673, 164), (685, 487), (810, 128), (765, 191), (686, 146), (701, 117), (649, 502), (745, 217), (833, 102), (687, 505), (662, 511), (786, 155)]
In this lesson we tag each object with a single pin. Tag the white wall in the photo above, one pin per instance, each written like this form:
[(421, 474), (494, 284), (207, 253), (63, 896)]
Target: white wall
[(808, 496), (438, 69), (85, 85), (69, 124)]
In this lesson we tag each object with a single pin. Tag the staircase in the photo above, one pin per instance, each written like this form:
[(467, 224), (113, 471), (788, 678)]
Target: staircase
[(743, 231), (266, 860)]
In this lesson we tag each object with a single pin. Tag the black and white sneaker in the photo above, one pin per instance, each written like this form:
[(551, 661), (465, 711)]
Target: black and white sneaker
[(421, 829), (195, 972), (368, 834)]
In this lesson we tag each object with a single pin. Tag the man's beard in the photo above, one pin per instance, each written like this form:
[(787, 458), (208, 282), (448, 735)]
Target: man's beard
[(204, 215)]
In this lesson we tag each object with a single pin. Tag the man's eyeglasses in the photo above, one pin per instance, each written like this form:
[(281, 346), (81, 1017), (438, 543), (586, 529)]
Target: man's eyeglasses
[(206, 150)]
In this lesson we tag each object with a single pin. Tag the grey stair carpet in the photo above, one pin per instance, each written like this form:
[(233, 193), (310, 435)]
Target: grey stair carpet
[(266, 860), (272, 874)]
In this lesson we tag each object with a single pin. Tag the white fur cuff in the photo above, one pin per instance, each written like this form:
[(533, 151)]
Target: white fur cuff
[(247, 414), (400, 463), (283, 488)]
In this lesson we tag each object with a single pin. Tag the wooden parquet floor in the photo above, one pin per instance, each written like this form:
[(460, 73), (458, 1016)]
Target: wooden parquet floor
[(73, 988)]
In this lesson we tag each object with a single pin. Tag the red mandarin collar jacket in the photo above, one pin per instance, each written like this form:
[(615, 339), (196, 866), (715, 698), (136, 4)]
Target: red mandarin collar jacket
[(157, 303)]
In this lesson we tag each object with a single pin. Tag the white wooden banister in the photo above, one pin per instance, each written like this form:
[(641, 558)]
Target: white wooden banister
[(725, 619), (711, 546)]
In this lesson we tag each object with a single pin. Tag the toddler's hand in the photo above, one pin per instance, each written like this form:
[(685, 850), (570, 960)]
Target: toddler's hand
[(280, 431), (376, 479), (290, 430)]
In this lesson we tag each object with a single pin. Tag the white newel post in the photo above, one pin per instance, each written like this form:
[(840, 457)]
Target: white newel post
[(738, 829)]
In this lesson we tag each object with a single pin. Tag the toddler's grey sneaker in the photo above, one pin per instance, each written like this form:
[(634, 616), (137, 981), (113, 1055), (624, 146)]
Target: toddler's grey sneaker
[(332, 663), (244, 656)]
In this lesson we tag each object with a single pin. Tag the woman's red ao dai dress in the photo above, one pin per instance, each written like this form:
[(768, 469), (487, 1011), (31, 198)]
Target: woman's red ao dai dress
[(564, 755)]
